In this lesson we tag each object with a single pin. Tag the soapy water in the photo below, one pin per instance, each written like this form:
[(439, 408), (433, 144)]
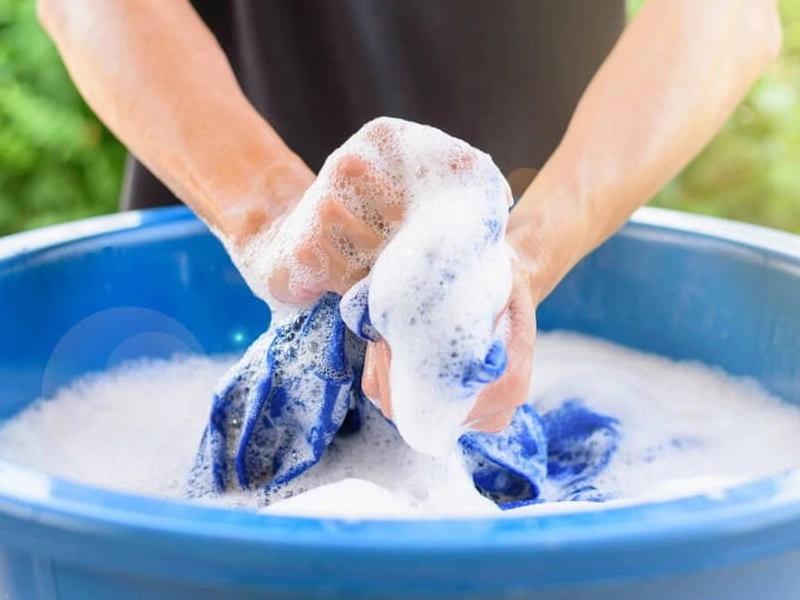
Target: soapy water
[(685, 428)]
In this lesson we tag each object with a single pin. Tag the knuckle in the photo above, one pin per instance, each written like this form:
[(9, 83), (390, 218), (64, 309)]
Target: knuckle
[(330, 210), (351, 166), (306, 255)]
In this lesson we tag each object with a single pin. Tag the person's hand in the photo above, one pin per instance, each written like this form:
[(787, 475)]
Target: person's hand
[(497, 402), (359, 210), (331, 239)]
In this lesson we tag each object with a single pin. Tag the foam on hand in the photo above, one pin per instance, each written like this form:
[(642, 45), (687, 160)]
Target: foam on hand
[(438, 285)]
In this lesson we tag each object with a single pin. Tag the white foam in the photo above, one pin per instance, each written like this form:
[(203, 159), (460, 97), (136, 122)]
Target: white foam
[(346, 499), (434, 299), (133, 429), (687, 427), (136, 429)]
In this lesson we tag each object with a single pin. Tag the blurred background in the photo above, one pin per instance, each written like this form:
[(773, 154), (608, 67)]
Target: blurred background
[(58, 163)]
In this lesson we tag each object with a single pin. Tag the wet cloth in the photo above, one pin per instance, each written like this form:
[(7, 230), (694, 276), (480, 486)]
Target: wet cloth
[(298, 387)]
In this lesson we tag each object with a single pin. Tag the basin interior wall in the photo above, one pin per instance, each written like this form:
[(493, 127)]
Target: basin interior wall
[(157, 283)]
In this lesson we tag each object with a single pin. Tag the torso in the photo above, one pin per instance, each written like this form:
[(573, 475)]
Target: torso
[(504, 75)]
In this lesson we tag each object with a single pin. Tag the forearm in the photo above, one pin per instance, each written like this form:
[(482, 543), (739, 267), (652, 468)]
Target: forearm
[(156, 76), (675, 75)]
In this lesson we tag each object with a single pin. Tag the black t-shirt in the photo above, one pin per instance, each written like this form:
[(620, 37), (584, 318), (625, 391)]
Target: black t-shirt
[(504, 75)]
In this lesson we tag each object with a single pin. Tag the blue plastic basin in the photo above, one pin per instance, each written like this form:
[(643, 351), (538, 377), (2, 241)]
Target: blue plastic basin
[(80, 298)]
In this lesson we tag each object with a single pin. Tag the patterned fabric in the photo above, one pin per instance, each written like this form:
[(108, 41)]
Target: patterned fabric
[(298, 386)]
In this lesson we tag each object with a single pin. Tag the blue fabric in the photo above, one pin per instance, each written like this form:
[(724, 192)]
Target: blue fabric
[(510, 467), (580, 445), (298, 387), (276, 415)]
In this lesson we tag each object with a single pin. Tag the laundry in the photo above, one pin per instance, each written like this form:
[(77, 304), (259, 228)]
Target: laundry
[(298, 387)]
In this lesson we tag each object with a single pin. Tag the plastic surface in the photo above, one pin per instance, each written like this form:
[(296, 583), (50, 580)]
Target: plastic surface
[(156, 282)]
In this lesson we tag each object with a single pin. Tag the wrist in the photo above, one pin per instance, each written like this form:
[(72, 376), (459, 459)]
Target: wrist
[(254, 179), (241, 176), (550, 231), (249, 224), (275, 187)]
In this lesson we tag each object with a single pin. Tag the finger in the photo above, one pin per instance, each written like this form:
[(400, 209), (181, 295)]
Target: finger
[(373, 197), (511, 389), (351, 166), (461, 160), (351, 245), (319, 267), (390, 216), (282, 289), (496, 422), (341, 272), (383, 360), (375, 377), (369, 377), (359, 184), (384, 138), (298, 279), (339, 223)]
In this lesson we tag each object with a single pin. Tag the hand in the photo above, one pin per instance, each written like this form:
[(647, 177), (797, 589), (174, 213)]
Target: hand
[(358, 211), (329, 249), (497, 402), (359, 200)]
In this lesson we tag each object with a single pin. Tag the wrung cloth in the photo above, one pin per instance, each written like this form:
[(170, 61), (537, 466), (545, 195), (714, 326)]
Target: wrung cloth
[(298, 387)]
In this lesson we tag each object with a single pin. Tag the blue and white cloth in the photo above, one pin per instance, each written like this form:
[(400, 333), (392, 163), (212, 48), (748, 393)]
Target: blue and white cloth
[(298, 387)]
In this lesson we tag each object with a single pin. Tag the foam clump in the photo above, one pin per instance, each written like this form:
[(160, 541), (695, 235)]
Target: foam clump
[(434, 296), (348, 498), (437, 287)]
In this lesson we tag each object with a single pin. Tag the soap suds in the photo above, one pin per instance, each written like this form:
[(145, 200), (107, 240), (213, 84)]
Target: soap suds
[(133, 429), (686, 428)]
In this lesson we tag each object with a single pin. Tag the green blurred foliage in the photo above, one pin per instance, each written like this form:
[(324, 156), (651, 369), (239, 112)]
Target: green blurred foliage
[(58, 163), (751, 170)]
